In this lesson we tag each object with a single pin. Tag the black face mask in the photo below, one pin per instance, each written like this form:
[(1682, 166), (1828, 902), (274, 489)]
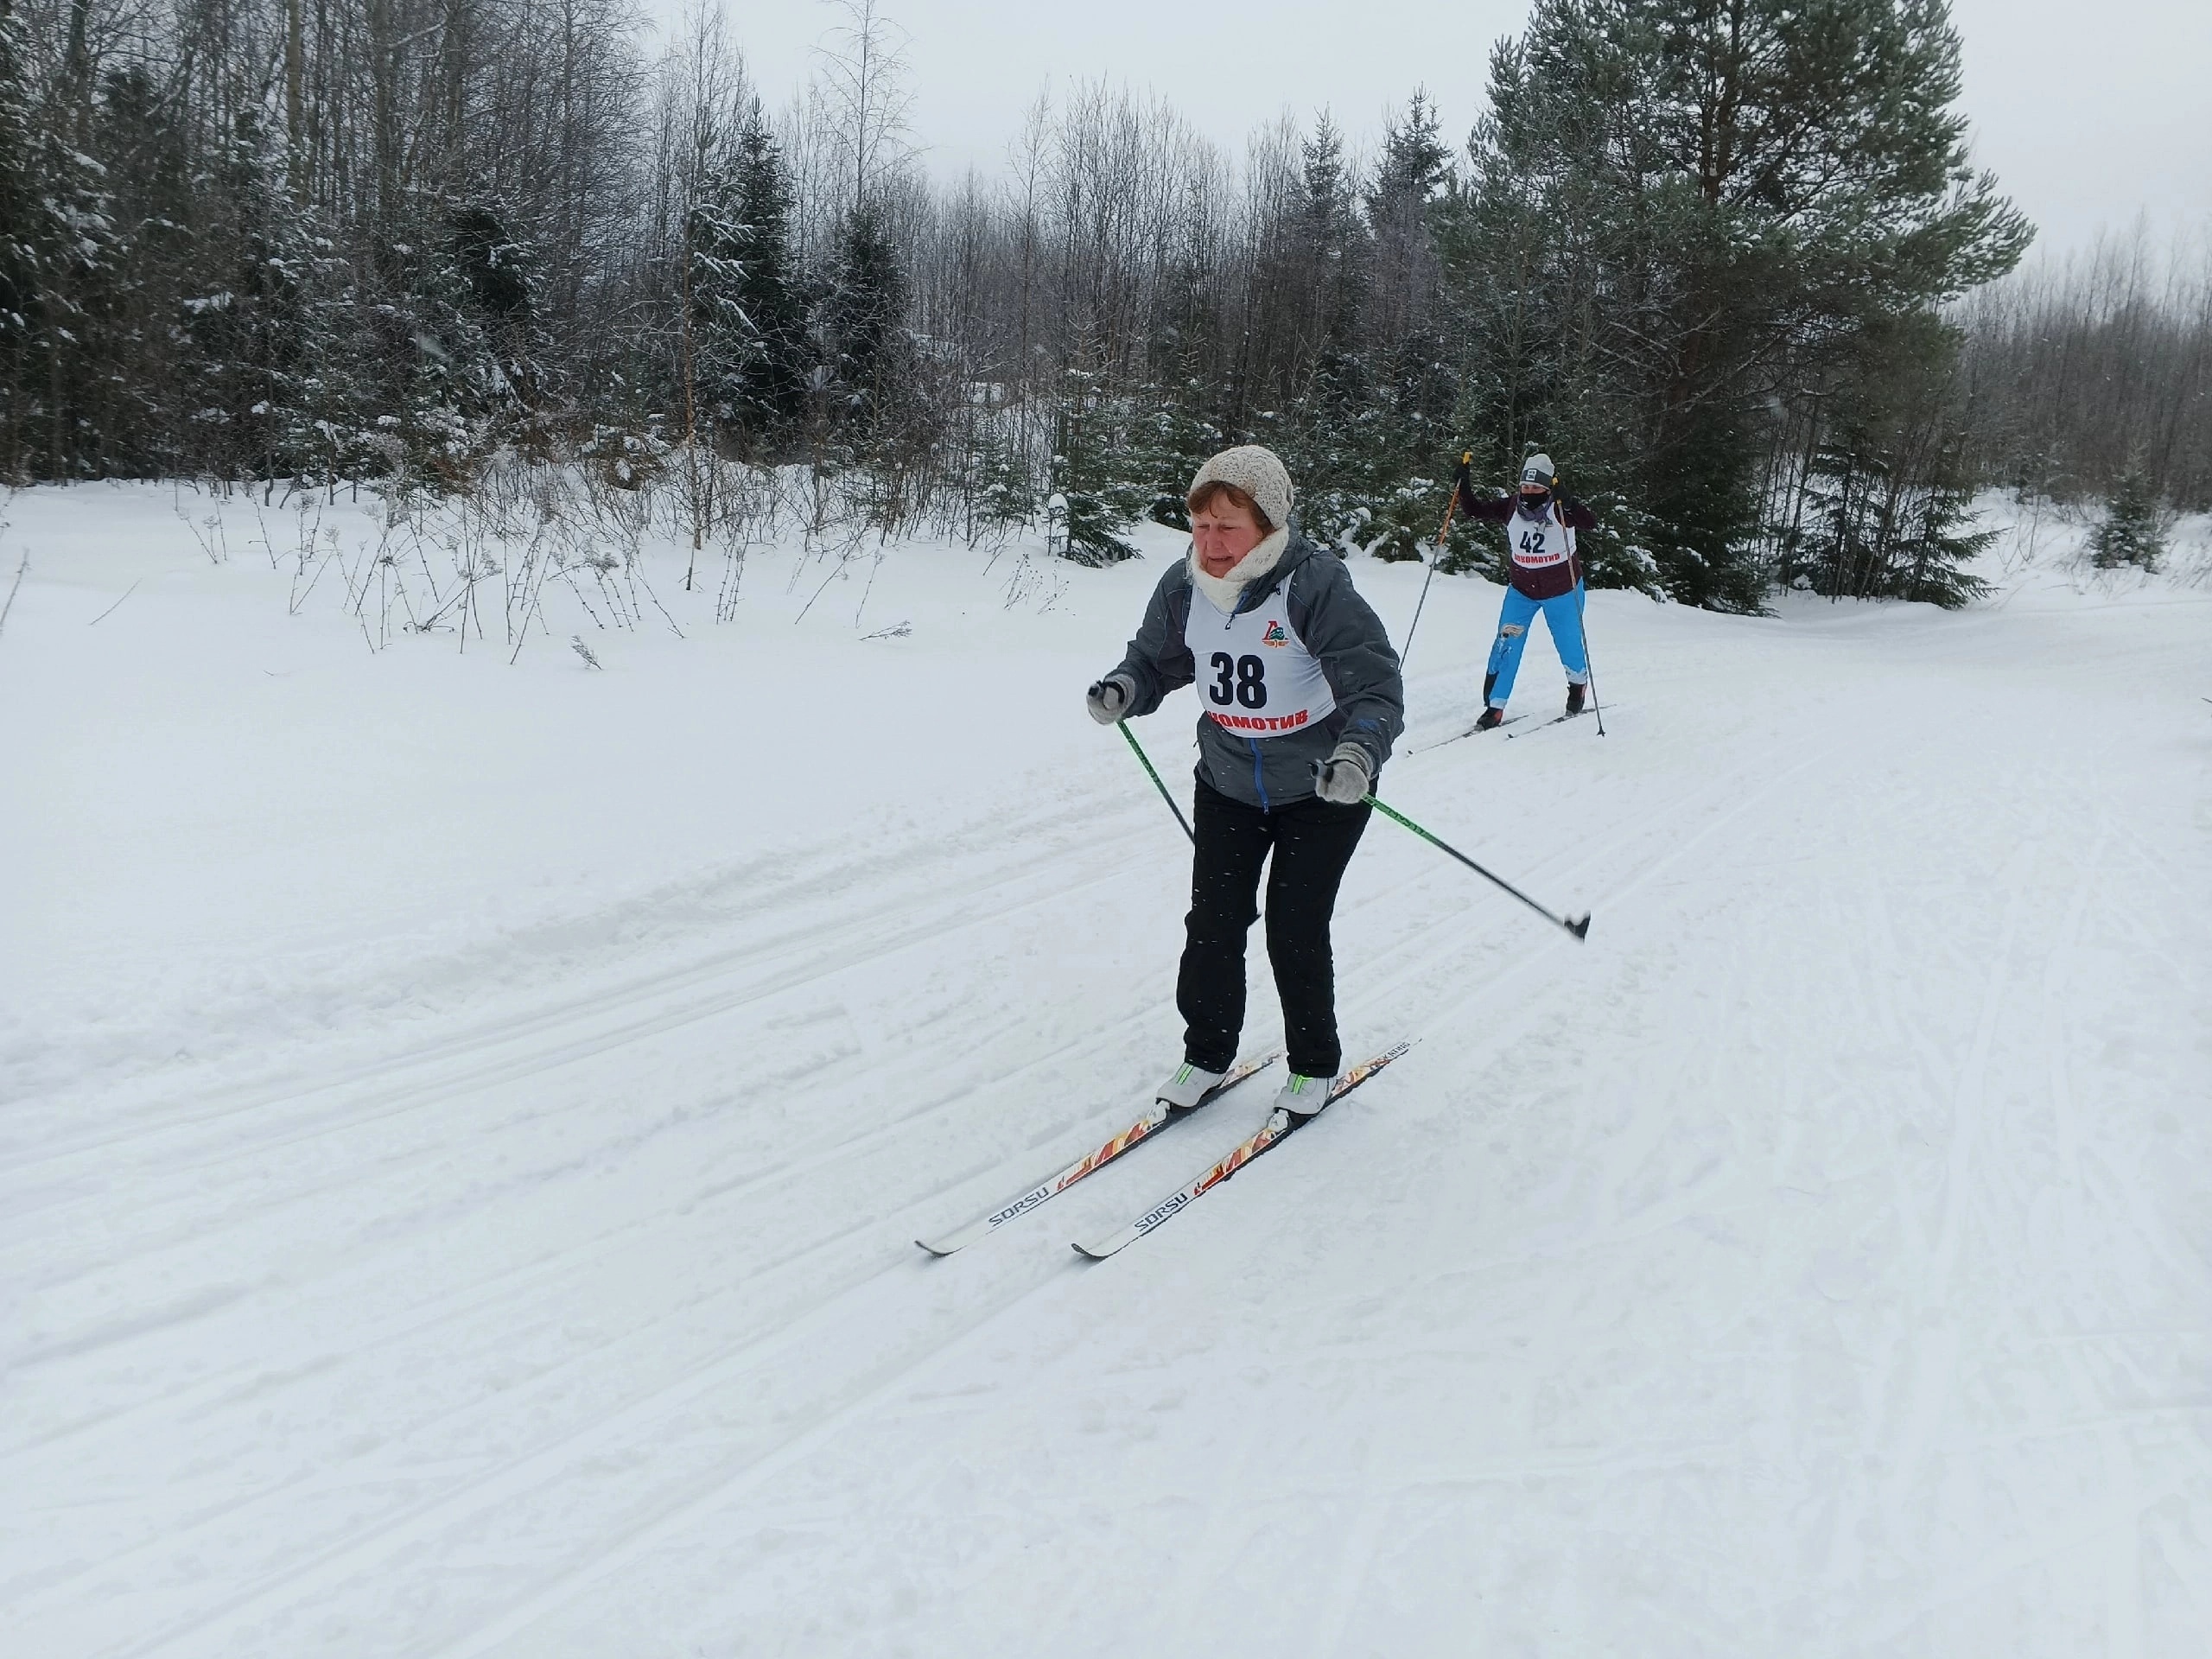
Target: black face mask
[(1536, 502)]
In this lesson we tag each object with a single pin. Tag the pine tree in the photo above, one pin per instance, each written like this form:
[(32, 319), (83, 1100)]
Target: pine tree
[(1173, 436), (1411, 356), (159, 422), (1180, 427), (428, 377), (715, 331), (1378, 405), (1936, 543), (768, 389), (866, 312), (249, 367), (1677, 210), (1323, 442), (27, 236), (2131, 532), (1847, 515), (1001, 488), (1091, 476), (66, 273)]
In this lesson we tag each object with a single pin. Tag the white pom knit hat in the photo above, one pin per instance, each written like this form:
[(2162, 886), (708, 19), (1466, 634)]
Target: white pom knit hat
[(1257, 472)]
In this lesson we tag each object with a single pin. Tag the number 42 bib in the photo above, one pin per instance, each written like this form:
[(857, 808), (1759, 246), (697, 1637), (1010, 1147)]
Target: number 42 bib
[(1539, 544), (1255, 674)]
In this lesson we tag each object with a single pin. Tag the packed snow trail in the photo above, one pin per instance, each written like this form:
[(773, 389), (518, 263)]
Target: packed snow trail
[(1811, 1262)]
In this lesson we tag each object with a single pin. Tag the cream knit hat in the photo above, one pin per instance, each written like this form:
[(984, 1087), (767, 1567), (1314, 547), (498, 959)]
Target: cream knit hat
[(1256, 472)]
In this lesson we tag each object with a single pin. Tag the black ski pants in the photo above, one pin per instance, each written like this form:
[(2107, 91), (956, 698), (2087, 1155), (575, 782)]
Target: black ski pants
[(1313, 841)]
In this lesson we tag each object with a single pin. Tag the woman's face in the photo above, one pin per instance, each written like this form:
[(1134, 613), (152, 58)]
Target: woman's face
[(1223, 533)]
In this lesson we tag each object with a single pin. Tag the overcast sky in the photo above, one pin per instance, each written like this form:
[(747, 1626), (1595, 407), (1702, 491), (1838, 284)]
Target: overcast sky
[(2088, 110)]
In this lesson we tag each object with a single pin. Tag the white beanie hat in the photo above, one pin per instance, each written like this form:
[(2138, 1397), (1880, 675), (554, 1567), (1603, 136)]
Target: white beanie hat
[(1259, 473), (1537, 469)]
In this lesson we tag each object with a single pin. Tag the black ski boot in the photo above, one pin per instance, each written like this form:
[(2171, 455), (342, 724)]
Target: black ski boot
[(1492, 718), (1574, 698)]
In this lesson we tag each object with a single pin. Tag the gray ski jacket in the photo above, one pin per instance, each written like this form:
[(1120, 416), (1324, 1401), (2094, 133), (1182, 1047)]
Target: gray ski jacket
[(1345, 637)]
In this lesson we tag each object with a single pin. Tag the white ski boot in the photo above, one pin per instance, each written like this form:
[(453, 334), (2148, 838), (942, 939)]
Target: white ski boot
[(1190, 1085), (1303, 1097)]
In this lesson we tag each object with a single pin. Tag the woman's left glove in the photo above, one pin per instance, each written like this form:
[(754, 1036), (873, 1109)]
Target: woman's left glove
[(1344, 777)]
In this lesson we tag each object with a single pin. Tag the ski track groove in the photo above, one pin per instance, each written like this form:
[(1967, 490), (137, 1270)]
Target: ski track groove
[(459, 1304), (1388, 974), (766, 980), (809, 1159), (799, 1161), (724, 1486), (364, 1551), (2123, 1487), (805, 940), (573, 1445), (1355, 1565), (1416, 966), (1935, 1353)]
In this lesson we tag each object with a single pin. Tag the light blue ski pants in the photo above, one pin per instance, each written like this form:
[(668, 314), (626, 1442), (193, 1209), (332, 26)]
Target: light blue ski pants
[(1562, 615)]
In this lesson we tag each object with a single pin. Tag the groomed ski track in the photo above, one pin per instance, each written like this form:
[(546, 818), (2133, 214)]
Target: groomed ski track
[(1813, 1263)]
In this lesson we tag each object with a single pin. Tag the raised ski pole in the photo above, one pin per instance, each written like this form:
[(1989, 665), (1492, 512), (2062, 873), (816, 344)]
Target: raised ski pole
[(1145, 760), (1467, 463), (1579, 927)]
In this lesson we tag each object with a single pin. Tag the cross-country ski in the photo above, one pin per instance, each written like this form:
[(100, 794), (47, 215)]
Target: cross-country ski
[(1556, 720), (1281, 1122), (1058, 1182), (1475, 730)]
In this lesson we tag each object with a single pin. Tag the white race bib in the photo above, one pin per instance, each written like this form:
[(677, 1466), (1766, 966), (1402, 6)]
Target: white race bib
[(1255, 675), (1539, 543)]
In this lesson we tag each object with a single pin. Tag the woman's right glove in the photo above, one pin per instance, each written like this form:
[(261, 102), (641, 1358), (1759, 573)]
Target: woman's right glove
[(1344, 777), (1109, 699), (1463, 491)]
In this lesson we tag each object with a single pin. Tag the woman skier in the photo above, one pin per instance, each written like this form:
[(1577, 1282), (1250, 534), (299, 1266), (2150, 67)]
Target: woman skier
[(1540, 526), (1300, 702)]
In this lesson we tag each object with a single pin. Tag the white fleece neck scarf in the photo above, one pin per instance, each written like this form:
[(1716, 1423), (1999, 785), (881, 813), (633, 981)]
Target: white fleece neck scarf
[(1225, 591)]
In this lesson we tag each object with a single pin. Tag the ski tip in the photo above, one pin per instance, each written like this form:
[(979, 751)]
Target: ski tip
[(924, 1245), (1086, 1253), (1580, 926)]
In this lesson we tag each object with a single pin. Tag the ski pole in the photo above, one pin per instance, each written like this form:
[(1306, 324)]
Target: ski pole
[(1466, 462), (1145, 760), (1577, 926), (1589, 661)]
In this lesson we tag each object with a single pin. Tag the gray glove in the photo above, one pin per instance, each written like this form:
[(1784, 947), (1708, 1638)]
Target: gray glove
[(1109, 699), (1344, 777)]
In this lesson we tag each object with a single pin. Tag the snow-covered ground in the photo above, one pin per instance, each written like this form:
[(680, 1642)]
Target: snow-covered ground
[(464, 1125)]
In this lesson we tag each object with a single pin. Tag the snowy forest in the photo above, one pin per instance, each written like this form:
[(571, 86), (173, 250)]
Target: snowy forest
[(1733, 266)]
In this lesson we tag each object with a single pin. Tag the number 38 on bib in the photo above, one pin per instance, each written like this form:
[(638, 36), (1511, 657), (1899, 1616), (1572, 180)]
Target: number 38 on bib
[(1253, 672)]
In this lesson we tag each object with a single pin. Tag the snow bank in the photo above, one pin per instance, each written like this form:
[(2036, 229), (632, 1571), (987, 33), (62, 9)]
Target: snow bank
[(464, 1124)]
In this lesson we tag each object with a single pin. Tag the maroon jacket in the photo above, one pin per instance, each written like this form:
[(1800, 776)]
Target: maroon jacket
[(1552, 580)]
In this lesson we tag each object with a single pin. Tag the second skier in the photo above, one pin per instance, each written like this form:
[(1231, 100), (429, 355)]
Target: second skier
[(1546, 576)]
